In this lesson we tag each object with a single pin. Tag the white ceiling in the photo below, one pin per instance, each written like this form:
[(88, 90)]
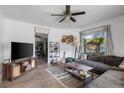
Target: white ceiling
[(41, 14)]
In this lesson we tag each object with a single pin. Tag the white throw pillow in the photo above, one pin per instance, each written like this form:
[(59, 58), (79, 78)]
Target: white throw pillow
[(122, 64)]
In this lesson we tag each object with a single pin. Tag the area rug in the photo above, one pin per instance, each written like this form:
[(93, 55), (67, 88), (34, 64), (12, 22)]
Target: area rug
[(65, 78)]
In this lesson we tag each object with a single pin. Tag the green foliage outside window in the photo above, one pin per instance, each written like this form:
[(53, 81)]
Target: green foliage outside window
[(93, 43)]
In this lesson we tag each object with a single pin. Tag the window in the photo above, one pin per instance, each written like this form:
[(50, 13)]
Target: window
[(96, 41)]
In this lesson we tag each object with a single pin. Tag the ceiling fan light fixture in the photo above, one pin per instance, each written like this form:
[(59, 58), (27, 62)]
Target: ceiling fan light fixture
[(68, 15)]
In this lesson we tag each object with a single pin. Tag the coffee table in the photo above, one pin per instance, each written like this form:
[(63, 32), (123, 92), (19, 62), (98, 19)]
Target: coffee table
[(79, 70)]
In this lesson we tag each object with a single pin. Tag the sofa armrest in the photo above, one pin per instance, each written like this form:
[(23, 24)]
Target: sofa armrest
[(117, 69)]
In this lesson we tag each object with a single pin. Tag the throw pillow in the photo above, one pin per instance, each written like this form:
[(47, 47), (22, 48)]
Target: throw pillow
[(122, 64), (113, 61), (93, 58), (101, 58), (69, 59)]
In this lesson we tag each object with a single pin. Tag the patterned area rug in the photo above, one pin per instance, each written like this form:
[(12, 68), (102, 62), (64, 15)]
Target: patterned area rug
[(66, 79)]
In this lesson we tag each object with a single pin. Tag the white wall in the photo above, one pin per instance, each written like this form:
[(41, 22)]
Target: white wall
[(56, 35), (117, 29), (17, 32), (24, 32), (1, 39), (1, 35)]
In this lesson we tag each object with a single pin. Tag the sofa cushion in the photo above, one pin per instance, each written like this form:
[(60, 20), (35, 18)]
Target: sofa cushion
[(101, 58), (113, 61), (110, 60), (93, 58), (111, 56), (110, 79), (97, 58), (96, 65)]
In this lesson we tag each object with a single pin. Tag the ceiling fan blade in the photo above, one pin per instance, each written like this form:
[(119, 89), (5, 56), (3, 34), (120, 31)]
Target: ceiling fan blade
[(78, 13), (72, 19), (37, 36), (67, 8), (57, 15), (62, 20)]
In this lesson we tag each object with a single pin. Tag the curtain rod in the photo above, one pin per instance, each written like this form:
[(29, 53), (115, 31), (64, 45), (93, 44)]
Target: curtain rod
[(92, 28)]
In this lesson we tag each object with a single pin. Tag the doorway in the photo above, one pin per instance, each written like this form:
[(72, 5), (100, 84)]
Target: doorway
[(41, 46)]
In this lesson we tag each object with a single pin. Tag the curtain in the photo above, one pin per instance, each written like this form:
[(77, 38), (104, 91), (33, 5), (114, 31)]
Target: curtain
[(81, 47), (109, 43)]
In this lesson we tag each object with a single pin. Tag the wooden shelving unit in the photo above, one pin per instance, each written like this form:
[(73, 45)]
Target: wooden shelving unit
[(54, 52)]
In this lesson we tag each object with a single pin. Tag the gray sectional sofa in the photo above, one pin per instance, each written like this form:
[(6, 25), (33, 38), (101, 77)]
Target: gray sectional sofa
[(112, 77), (103, 63)]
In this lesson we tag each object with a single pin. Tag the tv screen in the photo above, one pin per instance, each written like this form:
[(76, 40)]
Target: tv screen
[(21, 50)]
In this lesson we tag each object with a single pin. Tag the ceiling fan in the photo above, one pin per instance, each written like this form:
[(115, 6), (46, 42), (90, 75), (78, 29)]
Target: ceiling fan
[(67, 13)]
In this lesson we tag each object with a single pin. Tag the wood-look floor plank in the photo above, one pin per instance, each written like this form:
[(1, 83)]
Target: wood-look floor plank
[(37, 78)]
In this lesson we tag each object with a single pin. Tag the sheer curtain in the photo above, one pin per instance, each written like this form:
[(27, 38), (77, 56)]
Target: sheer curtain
[(108, 44)]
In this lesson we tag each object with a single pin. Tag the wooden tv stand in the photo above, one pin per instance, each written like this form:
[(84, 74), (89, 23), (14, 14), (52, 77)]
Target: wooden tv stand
[(17, 68)]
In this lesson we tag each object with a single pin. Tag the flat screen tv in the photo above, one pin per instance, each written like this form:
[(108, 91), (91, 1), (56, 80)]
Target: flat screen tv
[(21, 50)]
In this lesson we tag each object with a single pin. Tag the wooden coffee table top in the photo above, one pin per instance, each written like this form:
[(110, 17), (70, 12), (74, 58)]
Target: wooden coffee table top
[(78, 66)]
